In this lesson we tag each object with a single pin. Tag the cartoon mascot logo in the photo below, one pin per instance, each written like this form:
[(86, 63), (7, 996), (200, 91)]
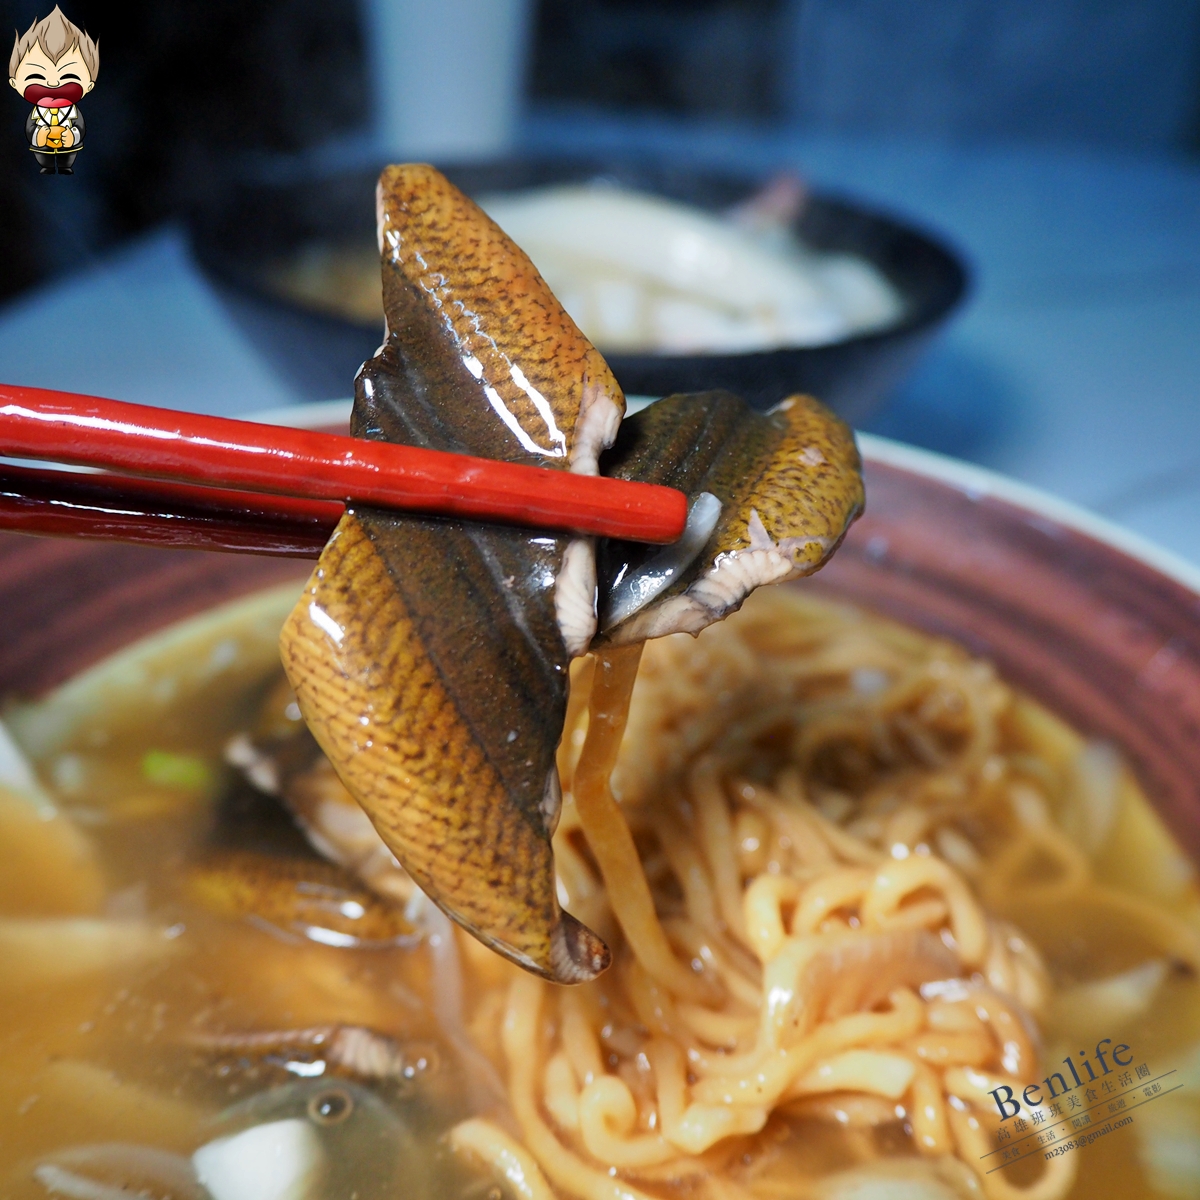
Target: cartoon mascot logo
[(54, 64)]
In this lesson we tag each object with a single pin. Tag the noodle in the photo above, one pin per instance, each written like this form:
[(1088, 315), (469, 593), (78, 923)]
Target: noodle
[(607, 833), (716, 839), (813, 811), (509, 1160), (521, 1021), (930, 1122)]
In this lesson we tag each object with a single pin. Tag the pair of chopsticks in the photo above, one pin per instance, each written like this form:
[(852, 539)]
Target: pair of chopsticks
[(212, 483)]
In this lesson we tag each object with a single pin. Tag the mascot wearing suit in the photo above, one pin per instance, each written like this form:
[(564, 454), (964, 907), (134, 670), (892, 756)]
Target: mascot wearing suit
[(54, 64)]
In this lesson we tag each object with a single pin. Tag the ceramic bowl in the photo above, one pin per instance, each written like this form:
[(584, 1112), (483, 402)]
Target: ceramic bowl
[(1097, 624), (247, 226)]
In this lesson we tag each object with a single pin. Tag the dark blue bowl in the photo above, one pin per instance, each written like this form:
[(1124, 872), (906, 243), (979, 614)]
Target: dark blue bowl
[(249, 225)]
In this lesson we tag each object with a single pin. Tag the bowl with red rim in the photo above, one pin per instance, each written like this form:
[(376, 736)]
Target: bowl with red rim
[(1099, 625)]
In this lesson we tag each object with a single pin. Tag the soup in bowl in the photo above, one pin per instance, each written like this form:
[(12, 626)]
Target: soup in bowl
[(913, 841)]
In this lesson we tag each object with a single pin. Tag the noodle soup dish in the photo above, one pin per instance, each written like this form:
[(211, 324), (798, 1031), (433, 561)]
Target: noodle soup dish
[(904, 863)]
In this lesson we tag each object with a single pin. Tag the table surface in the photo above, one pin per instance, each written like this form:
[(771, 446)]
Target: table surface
[(1075, 366)]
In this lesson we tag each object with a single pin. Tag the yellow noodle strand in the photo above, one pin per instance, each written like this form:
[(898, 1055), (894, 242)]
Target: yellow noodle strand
[(487, 1143), (605, 826), (1055, 1181), (716, 838), (927, 1110), (522, 1019)]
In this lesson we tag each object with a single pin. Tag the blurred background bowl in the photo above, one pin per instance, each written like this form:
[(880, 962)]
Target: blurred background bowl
[(247, 229)]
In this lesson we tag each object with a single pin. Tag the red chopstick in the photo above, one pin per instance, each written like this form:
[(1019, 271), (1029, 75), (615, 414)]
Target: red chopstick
[(172, 515), (219, 452)]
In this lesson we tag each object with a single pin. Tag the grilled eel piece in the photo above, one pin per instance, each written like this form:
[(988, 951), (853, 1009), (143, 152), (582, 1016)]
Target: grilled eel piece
[(430, 656)]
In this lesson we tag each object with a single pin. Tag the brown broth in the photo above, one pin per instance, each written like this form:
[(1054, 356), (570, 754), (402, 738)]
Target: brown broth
[(102, 1054)]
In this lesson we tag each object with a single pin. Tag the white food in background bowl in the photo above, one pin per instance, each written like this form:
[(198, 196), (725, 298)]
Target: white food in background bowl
[(640, 273)]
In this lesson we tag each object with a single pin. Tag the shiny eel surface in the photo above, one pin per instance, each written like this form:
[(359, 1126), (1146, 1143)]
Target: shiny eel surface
[(430, 656)]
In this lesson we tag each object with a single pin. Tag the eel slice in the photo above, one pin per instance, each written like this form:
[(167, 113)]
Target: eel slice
[(430, 657), (773, 495)]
